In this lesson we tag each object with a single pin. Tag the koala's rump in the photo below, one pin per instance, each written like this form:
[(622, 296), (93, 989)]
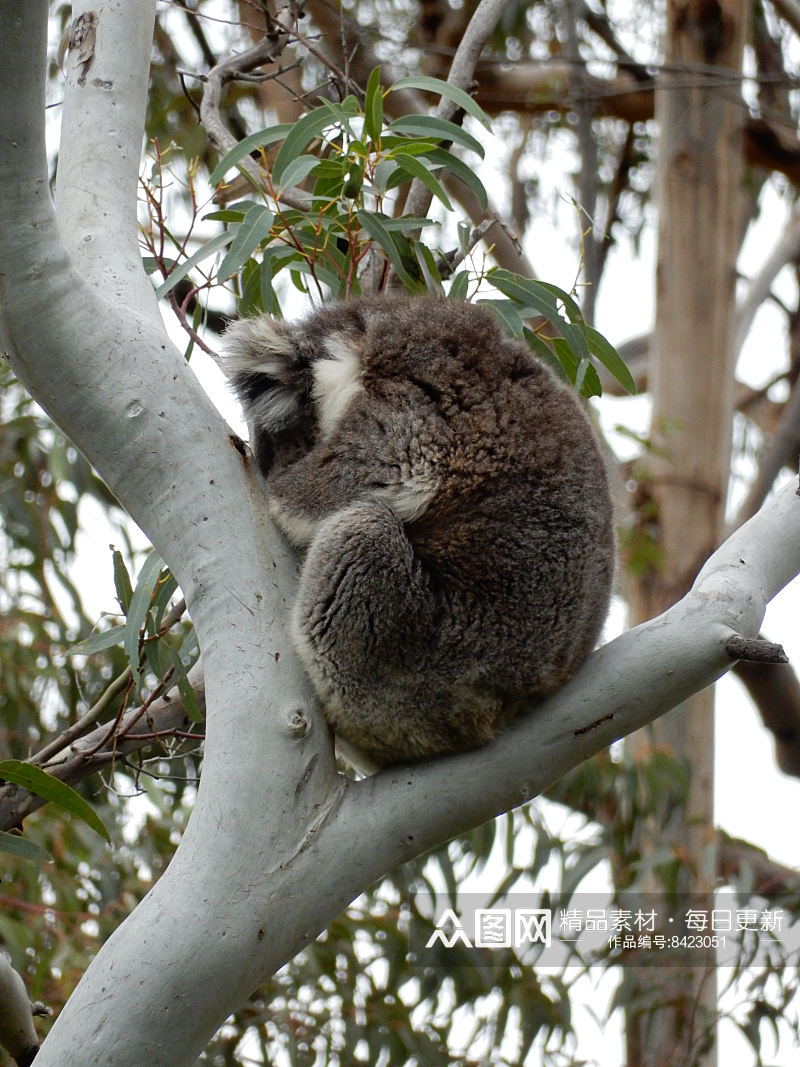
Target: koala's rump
[(523, 590)]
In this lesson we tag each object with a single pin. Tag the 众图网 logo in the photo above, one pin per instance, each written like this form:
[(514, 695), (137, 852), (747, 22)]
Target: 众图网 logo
[(494, 928)]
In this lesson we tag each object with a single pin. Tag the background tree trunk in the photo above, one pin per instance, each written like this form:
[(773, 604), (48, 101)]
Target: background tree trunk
[(699, 190)]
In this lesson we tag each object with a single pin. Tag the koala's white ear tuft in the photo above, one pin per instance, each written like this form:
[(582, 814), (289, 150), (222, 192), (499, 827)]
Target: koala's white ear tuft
[(336, 381), (409, 499), (262, 345)]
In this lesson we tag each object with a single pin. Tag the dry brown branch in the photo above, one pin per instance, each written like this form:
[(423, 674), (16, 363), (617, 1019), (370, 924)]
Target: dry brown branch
[(236, 67), (461, 74), (769, 878), (775, 691)]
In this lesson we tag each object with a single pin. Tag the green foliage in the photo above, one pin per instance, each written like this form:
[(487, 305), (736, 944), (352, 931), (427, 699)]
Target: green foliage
[(357, 163), (575, 343), (347, 232), (43, 483), (62, 890)]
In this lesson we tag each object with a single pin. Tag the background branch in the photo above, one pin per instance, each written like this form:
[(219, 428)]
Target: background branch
[(775, 691), (263, 52), (786, 251), (781, 452)]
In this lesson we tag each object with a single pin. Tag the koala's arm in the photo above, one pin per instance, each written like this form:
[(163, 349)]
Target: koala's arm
[(364, 622), (376, 455), (324, 437)]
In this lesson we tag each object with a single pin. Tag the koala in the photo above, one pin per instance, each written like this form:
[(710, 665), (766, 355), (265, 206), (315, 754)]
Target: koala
[(449, 499)]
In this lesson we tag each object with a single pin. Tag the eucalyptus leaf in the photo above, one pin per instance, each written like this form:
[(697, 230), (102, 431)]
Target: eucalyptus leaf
[(441, 129), (260, 139), (459, 169), (508, 315), (605, 352), (165, 588), (143, 595), (525, 291), (416, 168), (254, 228), (459, 286), (443, 88), (375, 225), (570, 304), (188, 699), (296, 171), (542, 299), (300, 134), (250, 302), (122, 581), (373, 106), (99, 642), (44, 785), (22, 847), (405, 224), (234, 213), (429, 268), (382, 175), (545, 353), (222, 240)]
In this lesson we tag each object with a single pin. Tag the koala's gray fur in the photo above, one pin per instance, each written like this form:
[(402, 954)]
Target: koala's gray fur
[(451, 501)]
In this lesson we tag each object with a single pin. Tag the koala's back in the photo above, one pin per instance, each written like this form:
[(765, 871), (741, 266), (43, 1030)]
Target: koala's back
[(453, 502)]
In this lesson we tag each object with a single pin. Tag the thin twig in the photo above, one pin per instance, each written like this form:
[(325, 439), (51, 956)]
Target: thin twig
[(92, 716), (165, 716), (462, 71), (447, 263)]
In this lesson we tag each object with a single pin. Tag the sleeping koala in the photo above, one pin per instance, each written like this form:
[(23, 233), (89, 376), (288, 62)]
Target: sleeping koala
[(450, 499)]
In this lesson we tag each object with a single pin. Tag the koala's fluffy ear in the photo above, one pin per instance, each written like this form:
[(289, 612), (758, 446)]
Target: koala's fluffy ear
[(259, 345), (263, 366)]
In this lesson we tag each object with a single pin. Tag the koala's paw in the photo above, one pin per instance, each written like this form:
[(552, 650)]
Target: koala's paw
[(266, 372)]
